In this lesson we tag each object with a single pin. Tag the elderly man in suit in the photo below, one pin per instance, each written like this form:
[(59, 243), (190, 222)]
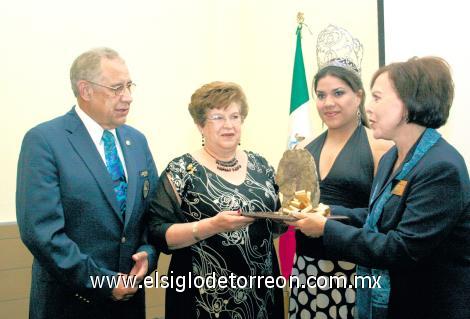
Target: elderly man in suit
[(83, 185)]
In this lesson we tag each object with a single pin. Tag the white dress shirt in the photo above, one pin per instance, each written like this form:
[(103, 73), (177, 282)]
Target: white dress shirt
[(96, 133)]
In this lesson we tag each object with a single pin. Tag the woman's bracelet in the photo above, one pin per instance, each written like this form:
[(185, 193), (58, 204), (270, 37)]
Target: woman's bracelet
[(196, 231)]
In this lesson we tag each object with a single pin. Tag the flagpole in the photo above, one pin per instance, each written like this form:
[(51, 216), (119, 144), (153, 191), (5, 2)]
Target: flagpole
[(300, 18), (299, 128)]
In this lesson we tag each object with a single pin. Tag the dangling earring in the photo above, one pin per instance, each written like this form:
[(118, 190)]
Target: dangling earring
[(203, 140), (359, 117)]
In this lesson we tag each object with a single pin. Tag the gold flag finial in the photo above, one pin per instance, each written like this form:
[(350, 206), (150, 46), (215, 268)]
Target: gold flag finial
[(300, 18)]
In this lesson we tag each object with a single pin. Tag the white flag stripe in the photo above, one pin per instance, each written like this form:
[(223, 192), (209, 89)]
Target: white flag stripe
[(300, 124)]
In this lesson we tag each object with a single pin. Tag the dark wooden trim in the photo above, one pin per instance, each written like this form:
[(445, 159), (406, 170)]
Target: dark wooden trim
[(9, 230), (381, 30)]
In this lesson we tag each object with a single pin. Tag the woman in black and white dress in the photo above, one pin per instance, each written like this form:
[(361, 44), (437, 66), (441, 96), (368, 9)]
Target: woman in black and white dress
[(195, 215)]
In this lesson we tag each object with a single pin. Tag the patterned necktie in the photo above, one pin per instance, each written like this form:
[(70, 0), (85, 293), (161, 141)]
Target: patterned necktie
[(115, 169)]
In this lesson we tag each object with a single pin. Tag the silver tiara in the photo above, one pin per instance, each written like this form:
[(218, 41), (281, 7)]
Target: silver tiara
[(337, 47)]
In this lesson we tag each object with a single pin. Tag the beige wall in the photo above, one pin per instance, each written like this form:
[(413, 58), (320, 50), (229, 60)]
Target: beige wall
[(171, 47), (437, 32)]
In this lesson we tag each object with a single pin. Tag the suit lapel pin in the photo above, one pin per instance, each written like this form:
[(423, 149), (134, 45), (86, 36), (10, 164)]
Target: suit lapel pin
[(146, 189), (399, 189), (128, 143)]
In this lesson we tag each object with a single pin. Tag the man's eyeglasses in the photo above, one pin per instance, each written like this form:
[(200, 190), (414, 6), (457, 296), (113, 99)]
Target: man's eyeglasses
[(119, 89)]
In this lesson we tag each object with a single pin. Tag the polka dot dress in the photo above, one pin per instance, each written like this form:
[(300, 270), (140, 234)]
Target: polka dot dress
[(335, 299), (347, 184)]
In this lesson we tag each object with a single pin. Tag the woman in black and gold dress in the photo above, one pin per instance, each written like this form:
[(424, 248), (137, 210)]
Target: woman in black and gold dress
[(195, 216)]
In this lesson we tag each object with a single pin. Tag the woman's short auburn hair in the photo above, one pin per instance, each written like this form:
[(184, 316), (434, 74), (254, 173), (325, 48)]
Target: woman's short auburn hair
[(216, 95), (425, 86)]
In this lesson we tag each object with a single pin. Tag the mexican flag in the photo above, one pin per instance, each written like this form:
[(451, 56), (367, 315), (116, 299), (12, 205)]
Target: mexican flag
[(299, 126), (299, 114)]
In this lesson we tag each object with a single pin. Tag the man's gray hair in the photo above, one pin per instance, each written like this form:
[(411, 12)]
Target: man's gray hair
[(87, 66)]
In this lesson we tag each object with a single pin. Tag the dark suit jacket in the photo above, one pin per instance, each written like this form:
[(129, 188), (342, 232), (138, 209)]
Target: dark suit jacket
[(423, 239), (70, 220)]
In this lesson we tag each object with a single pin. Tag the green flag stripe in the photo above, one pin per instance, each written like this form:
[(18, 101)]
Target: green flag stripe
[(299, 91)]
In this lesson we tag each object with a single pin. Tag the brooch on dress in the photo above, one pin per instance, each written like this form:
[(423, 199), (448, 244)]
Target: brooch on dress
[(191, 169)]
